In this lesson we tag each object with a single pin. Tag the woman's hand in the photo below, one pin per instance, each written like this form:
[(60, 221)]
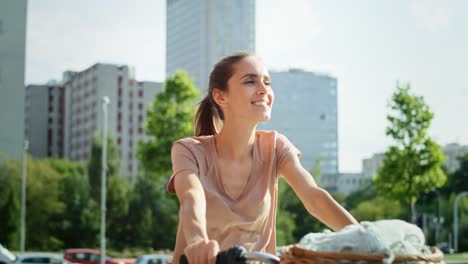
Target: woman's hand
[(202, 252)]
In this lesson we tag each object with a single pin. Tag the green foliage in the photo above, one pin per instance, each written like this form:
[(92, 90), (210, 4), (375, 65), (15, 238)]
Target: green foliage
[(377, 209), (293, 220), (80, 218), (413, 165), (42, 203), (95, 164), (458, 180), (117, 203), (9, 203), (169, 119), (365, 193), (152, 216)]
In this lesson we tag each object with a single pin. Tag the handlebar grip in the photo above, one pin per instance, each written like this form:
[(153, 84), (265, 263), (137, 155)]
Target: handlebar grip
[(234, 255), (183, 259)]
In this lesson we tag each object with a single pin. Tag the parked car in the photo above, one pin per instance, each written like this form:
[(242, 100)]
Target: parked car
[(154, 259), (444, 247), (40, 258), (86, 256), (6, 257)]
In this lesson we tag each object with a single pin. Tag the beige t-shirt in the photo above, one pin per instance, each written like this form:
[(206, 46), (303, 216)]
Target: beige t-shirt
[(250, 219)]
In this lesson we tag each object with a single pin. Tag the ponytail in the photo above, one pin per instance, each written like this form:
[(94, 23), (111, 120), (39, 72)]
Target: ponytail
[(209, 116), (206, 117)]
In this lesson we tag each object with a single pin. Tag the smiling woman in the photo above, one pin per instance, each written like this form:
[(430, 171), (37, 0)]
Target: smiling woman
[(226, 177)]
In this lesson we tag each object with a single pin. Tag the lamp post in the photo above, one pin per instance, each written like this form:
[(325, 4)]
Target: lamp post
[(105, 103), (23, 196), (439, 215)]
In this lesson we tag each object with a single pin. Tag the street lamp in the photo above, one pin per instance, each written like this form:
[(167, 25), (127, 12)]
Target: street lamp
[(105, 103), (23, 197), (439, 215)]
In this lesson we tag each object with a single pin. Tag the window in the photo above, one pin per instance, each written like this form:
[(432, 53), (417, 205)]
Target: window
[(119, 104), (140, 106), (140, 118), (140, 130), (120, 91), (140, 93), (119, 128), (51, 120)]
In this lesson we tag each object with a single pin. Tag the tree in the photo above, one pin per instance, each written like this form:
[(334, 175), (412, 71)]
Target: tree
[(170, 118), (9, 203), (458, 180), (42, 203), (376, 209), (95, 164), (80, 219), (152, 216), (413, 165)]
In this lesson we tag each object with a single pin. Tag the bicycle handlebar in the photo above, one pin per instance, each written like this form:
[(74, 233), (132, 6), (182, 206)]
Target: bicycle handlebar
[(239, 255)]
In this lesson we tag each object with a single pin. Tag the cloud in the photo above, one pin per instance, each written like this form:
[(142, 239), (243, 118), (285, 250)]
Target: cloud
[(431, 14)]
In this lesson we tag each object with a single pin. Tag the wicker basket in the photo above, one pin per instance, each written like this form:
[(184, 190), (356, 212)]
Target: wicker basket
[(296, 255)]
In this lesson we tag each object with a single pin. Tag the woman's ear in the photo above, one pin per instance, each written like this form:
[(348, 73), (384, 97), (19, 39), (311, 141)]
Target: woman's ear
[(219, 97)]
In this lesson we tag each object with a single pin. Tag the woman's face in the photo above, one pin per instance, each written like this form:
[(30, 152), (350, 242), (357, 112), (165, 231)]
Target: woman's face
[(249, 95)]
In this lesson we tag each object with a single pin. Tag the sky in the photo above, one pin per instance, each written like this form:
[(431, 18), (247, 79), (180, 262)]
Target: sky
[(368, 45)]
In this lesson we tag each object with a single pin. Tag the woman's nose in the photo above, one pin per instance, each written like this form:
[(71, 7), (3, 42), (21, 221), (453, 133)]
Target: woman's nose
[(262, 89)]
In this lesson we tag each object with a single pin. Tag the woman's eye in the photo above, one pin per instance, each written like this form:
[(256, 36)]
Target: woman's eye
[(249, 82), (267, 83)]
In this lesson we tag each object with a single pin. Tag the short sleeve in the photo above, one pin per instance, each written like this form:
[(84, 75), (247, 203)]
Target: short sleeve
[(285, 151), (183, 158)]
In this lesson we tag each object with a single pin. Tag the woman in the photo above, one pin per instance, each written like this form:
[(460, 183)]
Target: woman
[(226, 177)]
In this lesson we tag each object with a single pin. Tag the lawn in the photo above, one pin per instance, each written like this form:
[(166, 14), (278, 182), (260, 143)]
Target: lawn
[(459, 257)]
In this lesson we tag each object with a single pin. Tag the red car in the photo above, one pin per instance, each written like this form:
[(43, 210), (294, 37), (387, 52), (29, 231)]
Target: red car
[(86, 256)]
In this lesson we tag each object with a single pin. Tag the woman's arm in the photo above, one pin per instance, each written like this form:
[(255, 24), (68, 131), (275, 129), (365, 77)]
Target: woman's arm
[(316, 200), (193, 218)]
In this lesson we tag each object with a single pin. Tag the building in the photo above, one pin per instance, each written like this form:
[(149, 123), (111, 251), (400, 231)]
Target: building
[(200, 32), (44, 120), (129, 100), (63, 118), (370, 166), (452, 151), (12, 63), (305, 110)]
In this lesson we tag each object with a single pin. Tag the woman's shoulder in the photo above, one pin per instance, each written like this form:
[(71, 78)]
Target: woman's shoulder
[(270, 136), (198, 142)]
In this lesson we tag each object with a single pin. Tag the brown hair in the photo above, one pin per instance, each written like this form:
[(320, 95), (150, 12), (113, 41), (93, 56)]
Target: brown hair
[(209, 115)]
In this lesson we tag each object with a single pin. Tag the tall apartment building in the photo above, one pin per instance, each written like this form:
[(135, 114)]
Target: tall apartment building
[(12, 63), (305, 110), (62, 119), (200, 32), (44, 120), (129, 100)]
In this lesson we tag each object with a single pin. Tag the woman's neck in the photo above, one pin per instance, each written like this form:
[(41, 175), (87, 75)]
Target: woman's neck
[(235, 141)]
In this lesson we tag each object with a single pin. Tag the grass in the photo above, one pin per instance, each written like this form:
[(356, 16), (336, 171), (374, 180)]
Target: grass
[(459, 257)]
